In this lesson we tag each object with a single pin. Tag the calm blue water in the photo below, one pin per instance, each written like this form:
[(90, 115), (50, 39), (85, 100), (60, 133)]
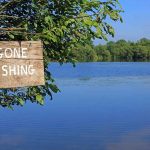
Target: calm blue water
[(102, 106)]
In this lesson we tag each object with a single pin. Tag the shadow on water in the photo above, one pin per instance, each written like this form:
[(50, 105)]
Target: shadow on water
[(84, 79)]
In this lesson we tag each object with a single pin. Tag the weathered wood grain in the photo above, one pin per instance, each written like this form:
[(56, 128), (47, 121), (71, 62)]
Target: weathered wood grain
[(35, 48), (34, 57), (22, 80)]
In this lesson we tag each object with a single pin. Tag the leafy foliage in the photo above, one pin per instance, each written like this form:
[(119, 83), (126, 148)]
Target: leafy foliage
[(113, 51), (61, 25), (124, 51)]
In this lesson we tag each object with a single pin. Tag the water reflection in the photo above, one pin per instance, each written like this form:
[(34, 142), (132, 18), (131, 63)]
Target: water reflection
[(9, 141), (137, 140)]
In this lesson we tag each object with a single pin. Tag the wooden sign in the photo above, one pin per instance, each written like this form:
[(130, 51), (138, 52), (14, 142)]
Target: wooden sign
[(21, 64)]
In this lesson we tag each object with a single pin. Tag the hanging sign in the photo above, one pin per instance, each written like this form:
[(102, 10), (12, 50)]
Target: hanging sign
[(21, 64)]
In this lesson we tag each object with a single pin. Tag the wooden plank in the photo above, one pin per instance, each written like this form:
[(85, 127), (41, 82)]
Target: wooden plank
[(34, 48), (14, 77), (21, 64)]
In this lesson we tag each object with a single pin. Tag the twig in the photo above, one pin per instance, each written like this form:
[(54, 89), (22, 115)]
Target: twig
[(3, 8), (11, 29), (17, 32), (7, 16)]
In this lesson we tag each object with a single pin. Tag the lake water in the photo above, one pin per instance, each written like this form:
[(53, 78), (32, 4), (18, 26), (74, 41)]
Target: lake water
[(102, 106)]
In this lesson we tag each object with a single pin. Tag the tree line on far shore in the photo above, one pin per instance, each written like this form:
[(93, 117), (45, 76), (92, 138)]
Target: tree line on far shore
[(121, 50)]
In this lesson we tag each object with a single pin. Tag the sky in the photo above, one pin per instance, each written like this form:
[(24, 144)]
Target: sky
[(136, 23)]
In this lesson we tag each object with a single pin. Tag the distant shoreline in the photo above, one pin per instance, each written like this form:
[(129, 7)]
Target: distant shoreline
[(120, 51)]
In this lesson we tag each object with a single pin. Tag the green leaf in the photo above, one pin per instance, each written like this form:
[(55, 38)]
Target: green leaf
[(11, 36), (20, 100), (54, 88), (39, 99)]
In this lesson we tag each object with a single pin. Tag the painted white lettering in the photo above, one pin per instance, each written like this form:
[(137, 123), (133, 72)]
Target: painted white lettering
[(24, 52), (31, 70), (19, 70), (4, 69), (8, 52), (1, 54), (24, 70), (17, 52), (13, 53), (12, 70)]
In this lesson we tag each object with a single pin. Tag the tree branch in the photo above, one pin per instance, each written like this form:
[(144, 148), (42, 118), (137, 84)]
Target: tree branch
[(19, 32), (5, 6), (11, 29), (7, 16)]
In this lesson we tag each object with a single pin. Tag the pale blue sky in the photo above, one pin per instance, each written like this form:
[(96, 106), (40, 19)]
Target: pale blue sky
[(136, 23)]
